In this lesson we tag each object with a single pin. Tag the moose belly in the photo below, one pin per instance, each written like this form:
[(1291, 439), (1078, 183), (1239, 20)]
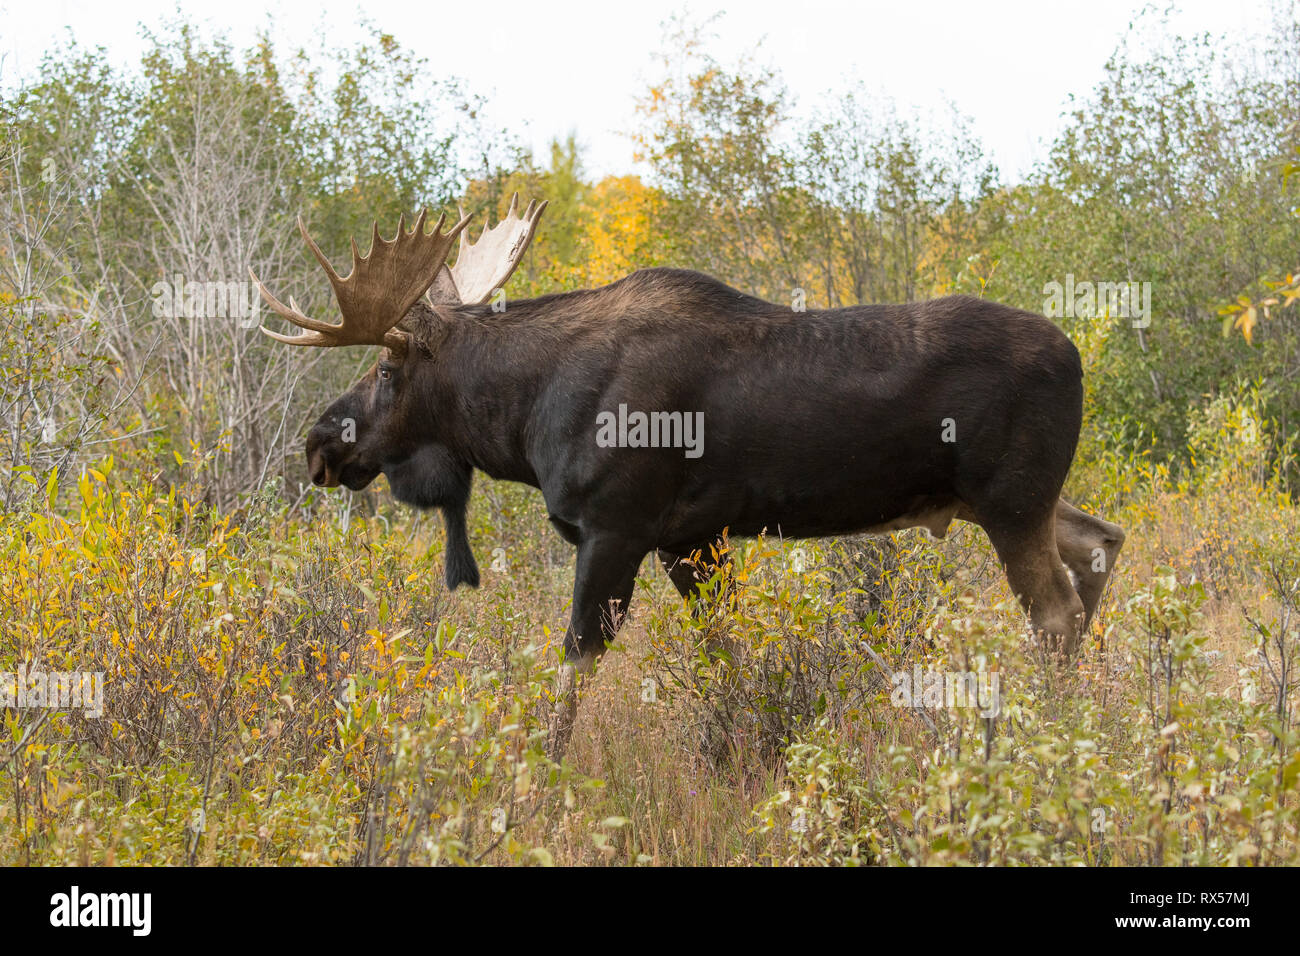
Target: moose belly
[(818, 510), (813, 484), (934, 513), (934, 519)]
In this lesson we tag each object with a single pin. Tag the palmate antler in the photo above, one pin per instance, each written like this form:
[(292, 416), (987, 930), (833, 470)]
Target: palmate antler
[(377, 293), (483, 267)]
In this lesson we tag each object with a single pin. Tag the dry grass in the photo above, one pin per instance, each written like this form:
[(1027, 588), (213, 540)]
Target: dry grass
[(301, 690)]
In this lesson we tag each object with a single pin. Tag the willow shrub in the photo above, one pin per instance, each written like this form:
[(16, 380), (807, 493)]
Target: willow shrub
[(286, 692)]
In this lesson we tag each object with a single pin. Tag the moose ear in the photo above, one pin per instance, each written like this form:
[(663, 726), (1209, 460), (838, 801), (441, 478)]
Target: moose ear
[(444, 291)]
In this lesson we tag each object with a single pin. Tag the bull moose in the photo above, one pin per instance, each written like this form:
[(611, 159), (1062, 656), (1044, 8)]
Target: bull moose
[(869, 418)]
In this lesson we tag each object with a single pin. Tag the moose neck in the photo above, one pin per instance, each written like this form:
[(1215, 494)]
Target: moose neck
[(489, 370)]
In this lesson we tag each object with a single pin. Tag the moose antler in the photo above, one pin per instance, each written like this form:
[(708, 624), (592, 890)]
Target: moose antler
[(377, 293), (483, 267)]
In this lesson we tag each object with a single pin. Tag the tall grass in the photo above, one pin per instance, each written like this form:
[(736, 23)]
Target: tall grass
[(297, 687)]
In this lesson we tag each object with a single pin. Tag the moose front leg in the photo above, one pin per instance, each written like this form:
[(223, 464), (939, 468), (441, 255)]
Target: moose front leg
[(602, 588)]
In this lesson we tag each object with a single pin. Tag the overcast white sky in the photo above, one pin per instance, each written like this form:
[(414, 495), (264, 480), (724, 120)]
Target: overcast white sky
[(557, 66)]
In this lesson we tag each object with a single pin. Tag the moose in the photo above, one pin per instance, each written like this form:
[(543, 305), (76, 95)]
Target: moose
[(869, 418)]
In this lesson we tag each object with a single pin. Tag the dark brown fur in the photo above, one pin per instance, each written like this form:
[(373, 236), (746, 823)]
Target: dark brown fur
[(817, 423)]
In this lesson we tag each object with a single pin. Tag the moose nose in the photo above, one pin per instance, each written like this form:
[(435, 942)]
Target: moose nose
[(319, 473), (319, 469), (317, 465)]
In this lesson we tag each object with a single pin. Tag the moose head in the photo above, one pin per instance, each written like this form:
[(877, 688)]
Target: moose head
[(379, 425)]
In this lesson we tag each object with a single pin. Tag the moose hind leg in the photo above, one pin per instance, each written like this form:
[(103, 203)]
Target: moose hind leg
[(1089, 547), (602, 590)]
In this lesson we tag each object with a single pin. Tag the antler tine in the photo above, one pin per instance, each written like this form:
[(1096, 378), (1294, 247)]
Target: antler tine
[(382, 286), (484, 266), (291, 312), (315, 250)]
